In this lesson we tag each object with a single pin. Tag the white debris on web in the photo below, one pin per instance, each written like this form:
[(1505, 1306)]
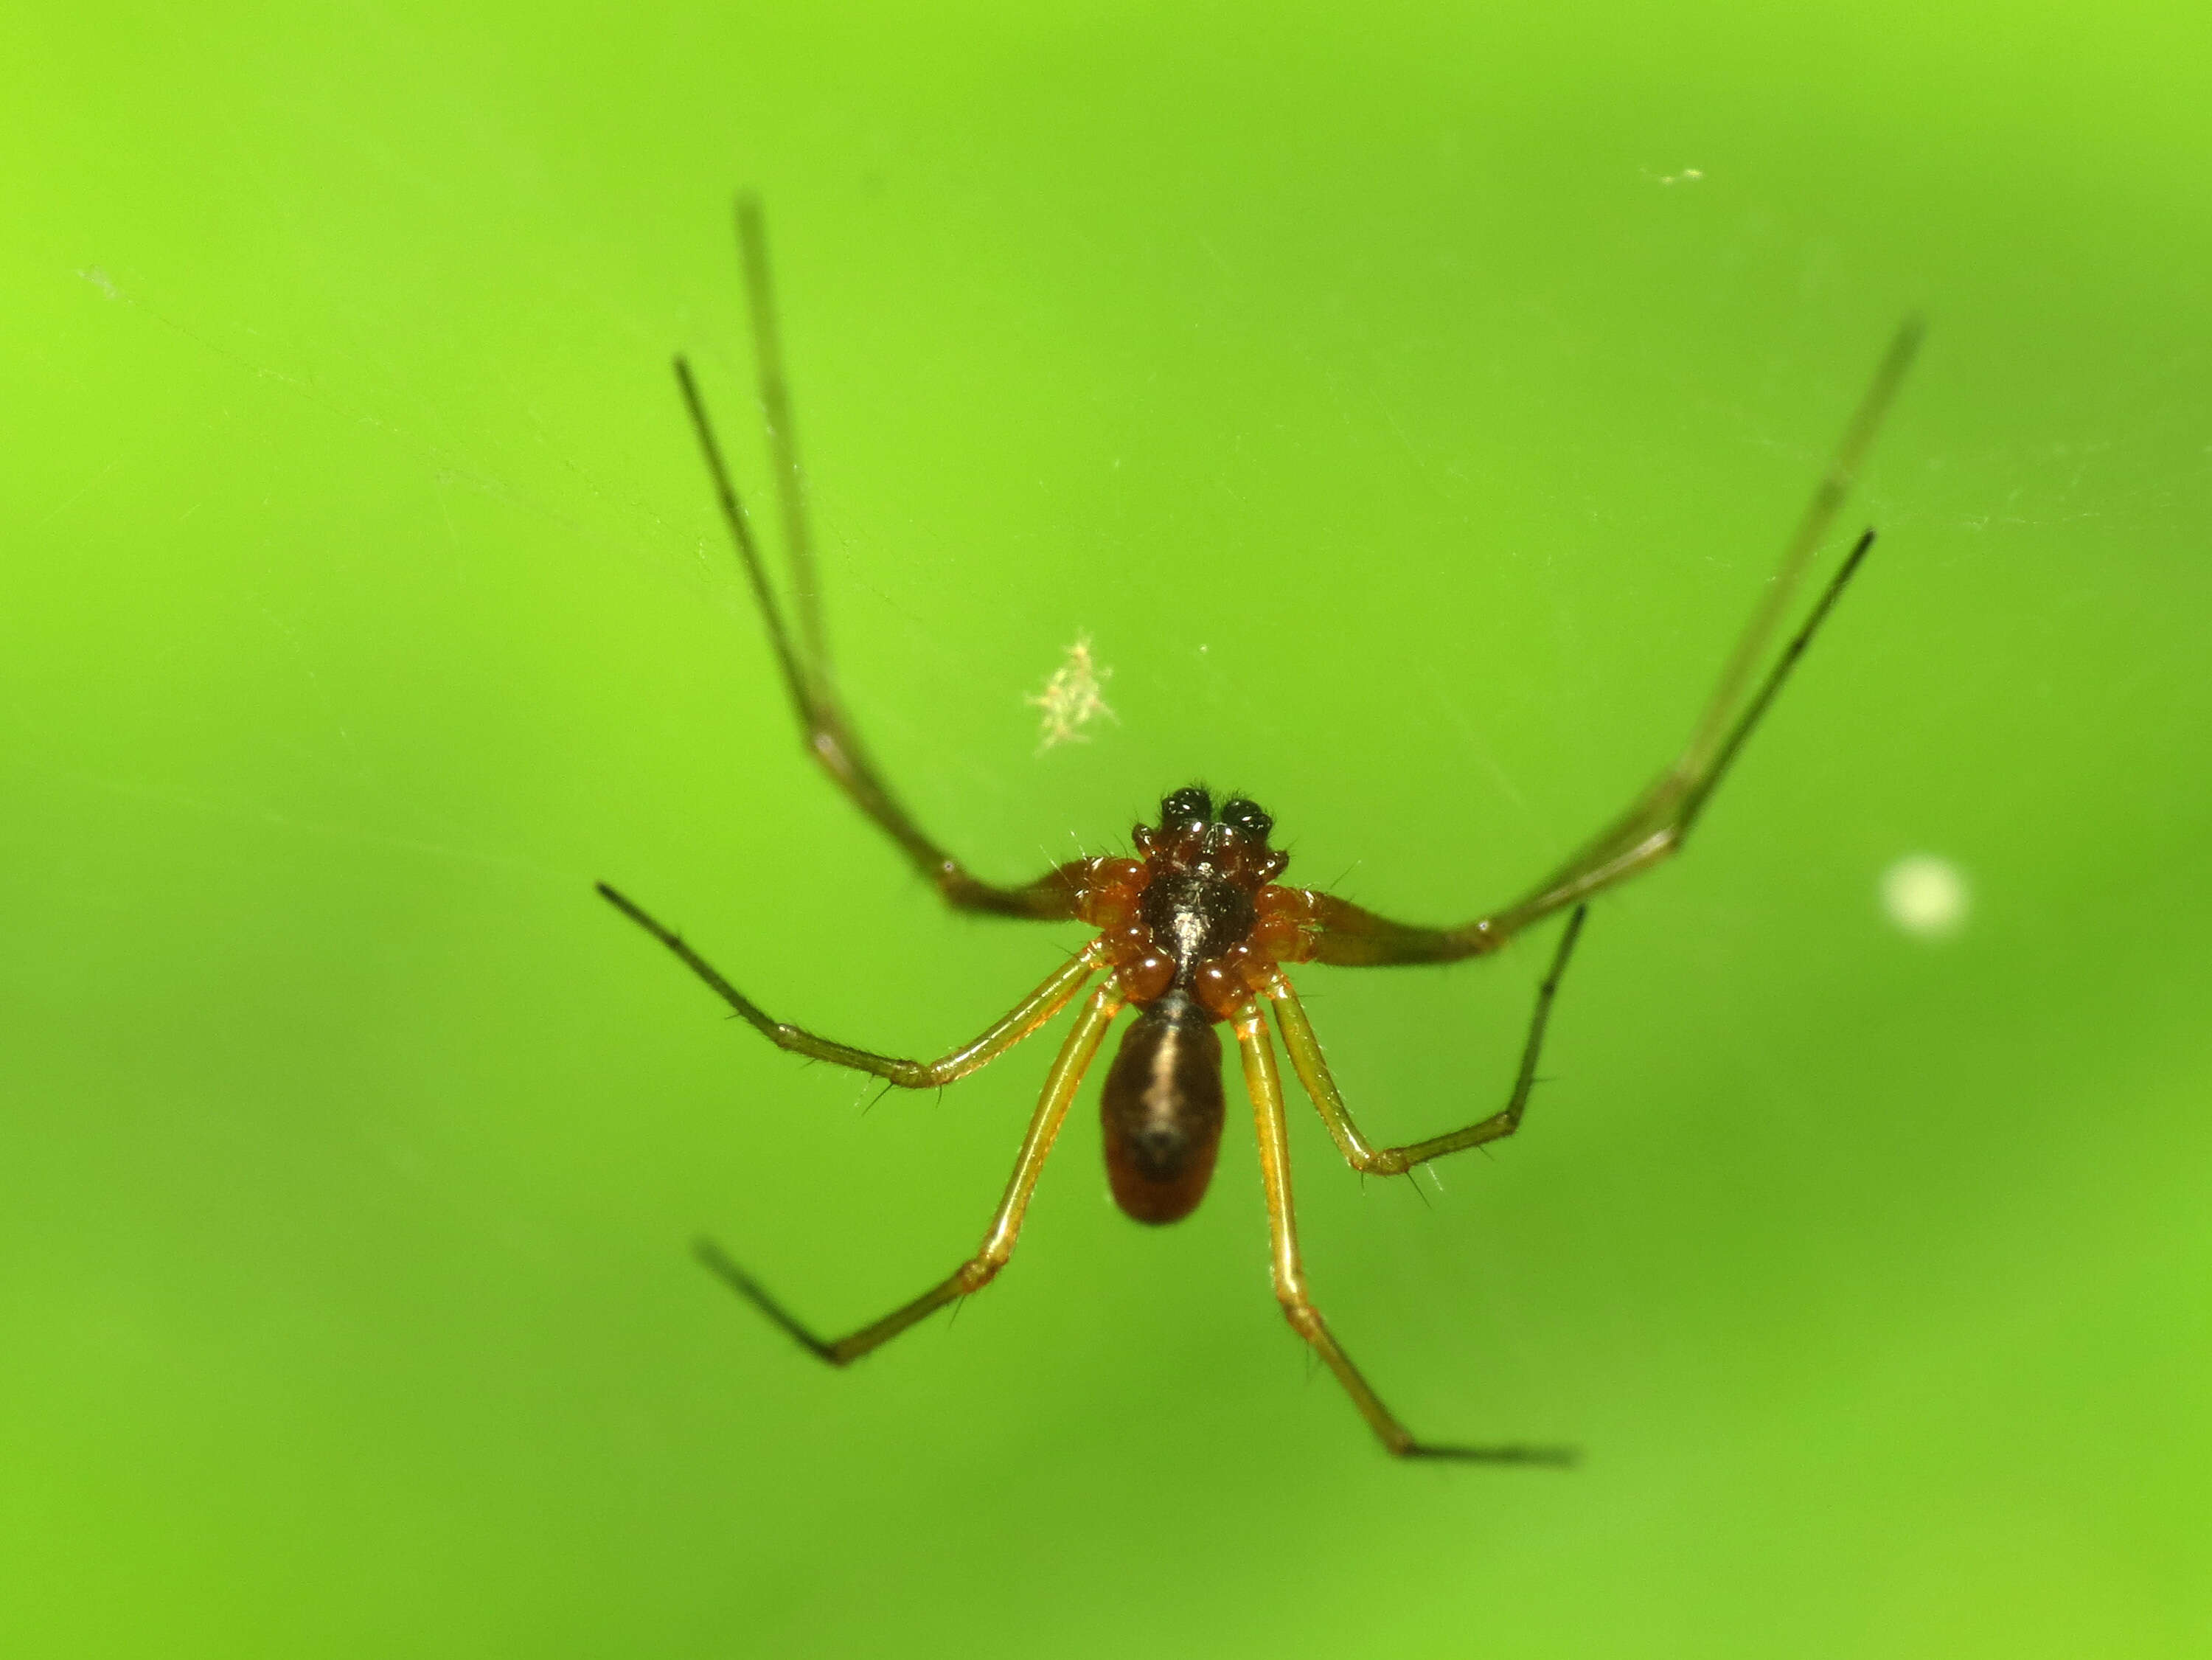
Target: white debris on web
[(1073, 698), (1925, 896), (1687, 176)]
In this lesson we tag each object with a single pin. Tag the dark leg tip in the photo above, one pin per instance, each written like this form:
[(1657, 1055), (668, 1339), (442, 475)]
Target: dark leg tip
[(711, 1257), (622, 902), (1547, 1457)]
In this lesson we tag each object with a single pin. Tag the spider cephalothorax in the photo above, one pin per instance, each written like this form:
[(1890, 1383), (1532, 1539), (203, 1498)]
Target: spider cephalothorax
[(1197, 913)]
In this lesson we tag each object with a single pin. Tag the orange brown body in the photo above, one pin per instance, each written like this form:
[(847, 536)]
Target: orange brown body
[(1191, 929)]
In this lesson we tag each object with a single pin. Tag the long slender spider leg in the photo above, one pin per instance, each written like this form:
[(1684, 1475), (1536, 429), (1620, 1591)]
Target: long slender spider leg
[(1656, 823), (1266, 1087), (1660, 824), (782, 436), (1057, 991), (998, 1246), (1352, 936), (1695, 797), (1306, 1061), (825, 728)]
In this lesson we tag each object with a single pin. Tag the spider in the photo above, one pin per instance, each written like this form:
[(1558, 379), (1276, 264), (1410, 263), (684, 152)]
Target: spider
[(1196, 931)]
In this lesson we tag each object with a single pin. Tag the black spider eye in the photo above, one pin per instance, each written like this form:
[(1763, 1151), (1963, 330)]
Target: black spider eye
[(1248, 817), (1192, 805)]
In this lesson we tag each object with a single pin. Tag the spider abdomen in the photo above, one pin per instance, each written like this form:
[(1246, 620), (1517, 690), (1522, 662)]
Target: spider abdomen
[(1162, 1110)]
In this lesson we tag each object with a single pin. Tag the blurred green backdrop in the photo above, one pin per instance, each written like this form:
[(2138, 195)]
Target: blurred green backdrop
[(1408, 400)]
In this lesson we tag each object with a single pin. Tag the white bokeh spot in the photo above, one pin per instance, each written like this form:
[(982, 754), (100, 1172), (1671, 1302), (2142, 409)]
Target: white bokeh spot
[(1925, 896)]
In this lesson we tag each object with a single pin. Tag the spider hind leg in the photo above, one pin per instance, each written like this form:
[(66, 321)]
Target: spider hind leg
[(998, 1239), (1266, 1091)]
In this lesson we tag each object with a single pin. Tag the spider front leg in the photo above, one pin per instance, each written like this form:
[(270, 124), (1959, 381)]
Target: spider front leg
[(1266, 1087), (998, 1246), (1654, 825), (803, 655), (1059, 988), (1313, 1072)]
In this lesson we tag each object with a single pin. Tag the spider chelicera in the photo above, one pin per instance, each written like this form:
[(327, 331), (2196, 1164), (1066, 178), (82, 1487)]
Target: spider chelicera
[(1195, 931)]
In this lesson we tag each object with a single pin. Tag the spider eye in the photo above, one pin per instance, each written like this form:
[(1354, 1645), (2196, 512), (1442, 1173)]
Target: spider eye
[(1249, 817), (1192, 805)]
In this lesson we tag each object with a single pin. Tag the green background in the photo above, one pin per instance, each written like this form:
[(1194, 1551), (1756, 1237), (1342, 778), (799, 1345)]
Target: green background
[(1411, 448)]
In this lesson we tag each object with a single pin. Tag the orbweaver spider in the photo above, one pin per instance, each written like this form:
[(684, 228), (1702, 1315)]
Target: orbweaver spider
[(1195, 931)]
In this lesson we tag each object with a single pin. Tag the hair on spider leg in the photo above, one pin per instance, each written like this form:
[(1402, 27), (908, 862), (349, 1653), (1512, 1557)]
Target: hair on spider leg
[(1193, 929)]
